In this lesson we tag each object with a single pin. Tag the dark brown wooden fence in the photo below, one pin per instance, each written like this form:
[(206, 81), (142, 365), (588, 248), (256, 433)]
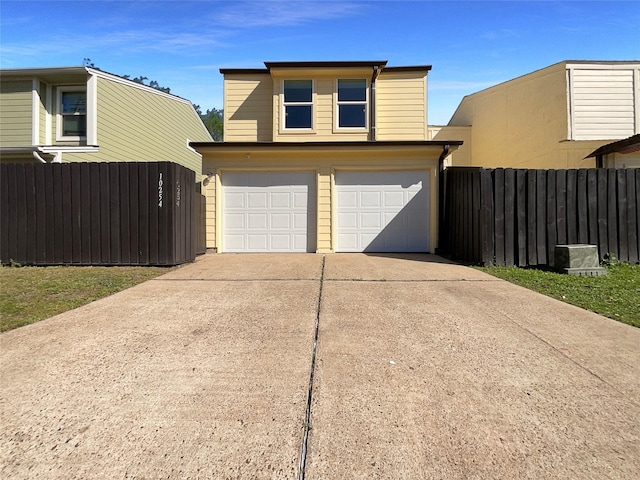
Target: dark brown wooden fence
[(132, 213), (516, 217)]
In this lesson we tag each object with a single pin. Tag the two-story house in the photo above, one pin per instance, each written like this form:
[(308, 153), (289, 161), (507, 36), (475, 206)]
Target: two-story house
[(551, 118), (323, 157), (80, 114)]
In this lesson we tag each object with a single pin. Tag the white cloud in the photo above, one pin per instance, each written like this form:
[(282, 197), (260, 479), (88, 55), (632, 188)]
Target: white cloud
[(280, 13)]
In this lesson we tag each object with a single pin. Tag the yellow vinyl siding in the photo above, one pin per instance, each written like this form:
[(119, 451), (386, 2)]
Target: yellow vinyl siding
[(324, 230), (401, 99), (16, 113), (248, 108), (138, 125)]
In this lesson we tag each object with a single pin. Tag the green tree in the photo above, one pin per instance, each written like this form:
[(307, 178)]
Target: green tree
[(152, 83), (213, 120)]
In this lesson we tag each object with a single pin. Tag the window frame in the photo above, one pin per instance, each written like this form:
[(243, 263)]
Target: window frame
[(284, 105), (365, 102), (61, 90)]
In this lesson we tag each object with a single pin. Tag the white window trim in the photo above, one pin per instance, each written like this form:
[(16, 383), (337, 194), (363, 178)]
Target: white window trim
[(337, 104), (283, 105), (60, 91)]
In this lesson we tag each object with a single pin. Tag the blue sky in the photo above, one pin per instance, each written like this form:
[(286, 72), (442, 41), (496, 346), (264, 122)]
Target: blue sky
[(182, 45)]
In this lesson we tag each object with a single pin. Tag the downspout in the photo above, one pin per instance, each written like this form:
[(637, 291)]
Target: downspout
[(599, 161), (37, 156), (441, 198), (372, 102)]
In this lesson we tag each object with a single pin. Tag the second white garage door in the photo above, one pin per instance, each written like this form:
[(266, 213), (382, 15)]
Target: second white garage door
[(268, 212), (382, 211)]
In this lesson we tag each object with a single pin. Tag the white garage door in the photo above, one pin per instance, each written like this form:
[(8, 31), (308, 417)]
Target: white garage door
[(268, 212), (382, 211)]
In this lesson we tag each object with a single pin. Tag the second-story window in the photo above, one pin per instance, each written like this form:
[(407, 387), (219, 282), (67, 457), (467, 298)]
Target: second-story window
[(298, 104), (72, 113), (352, 103)]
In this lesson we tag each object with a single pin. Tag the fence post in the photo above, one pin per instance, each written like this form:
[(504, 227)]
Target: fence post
[(486, 217)]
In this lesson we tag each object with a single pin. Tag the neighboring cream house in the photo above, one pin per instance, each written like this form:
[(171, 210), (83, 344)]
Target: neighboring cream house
[(551, 118), (324, 157), (79, 114), (621, 154)]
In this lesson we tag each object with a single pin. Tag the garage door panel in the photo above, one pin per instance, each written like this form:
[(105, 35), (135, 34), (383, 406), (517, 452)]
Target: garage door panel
[(257, 200), (235, 220), (268, 212), (370, 199), (280, 221), (382, 211), (257, 242), (280, 200), (300, 200)]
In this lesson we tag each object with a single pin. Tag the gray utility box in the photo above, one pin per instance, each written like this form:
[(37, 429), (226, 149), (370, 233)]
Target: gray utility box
[(578, 260)]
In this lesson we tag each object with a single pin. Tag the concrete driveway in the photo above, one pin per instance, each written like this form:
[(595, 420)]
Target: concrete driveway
[(423, 369)]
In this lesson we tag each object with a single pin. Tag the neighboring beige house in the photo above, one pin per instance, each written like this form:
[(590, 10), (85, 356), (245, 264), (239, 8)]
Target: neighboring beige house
[(324, 157), (79, 114), (621, 154), (551, 118)]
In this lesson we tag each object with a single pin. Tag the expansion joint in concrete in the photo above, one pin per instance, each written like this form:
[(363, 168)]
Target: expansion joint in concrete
[(307, 417)]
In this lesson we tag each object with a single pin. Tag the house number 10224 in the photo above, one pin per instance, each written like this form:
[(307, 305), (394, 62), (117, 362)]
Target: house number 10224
[(160, 191)]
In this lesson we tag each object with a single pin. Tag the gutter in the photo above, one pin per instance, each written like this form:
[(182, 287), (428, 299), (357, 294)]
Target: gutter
[(372, 109), (441, 195)]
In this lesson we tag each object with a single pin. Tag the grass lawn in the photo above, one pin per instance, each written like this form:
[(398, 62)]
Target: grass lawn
[(31, 294), (615, 295)]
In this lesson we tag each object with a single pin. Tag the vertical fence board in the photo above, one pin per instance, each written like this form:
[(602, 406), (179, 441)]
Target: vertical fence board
[(632, 216), (48, 208), (475, 207), (463, 228), (572, 206), (509, 217), (31, 214), (41, 233), (58, 218), (67, 215), (498, 205), (486, 217), (532, 249), (76, 213), (583, 221), (125, 210), (552, 220), (592, 205), (105, 215), (612, 214), (114, 210), (561, 206), (12, 237), (621, 187), (5, 218), (144, 213), (521, 212), (155, 192), (134, 215), (21, 214), (603, 237), (85, 214), (541, 216), (96, 215)]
